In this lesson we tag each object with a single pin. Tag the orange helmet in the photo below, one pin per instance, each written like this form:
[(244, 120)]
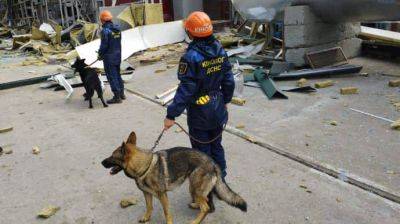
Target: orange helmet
[(199, 24), (106, 16)]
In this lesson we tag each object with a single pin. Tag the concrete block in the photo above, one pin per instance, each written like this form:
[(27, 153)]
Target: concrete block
[(394, 83), (297, 56), (349, 90), (319, 33), (324, 84), (300, 15)]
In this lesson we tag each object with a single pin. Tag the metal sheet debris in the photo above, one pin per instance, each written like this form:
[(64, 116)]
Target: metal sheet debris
[(137, 39), (60, 79), (268, 85), (321, 72)]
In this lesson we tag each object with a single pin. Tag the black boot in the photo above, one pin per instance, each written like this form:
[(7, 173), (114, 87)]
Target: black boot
[(123, 97), (116, 99)]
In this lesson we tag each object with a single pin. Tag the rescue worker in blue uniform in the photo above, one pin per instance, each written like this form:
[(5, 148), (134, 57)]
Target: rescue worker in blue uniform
[(110, 53), (206, 88)]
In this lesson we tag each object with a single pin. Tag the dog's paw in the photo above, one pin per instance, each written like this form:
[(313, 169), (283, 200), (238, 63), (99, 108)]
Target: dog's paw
[(90, 107), (194, 206), (105, 105), (144, 219)]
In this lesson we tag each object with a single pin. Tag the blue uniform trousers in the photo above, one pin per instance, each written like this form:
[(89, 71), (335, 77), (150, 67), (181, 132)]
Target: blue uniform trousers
[(114, 77), (214, 149)]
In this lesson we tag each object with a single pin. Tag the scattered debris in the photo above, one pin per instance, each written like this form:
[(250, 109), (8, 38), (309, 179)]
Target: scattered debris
[(395, 125), (48, 212), (160, 70), (371, 115), (240, 126), (142, 37), (349, 90), (394, 83), (24, 82), (303, 186), (4, 130), (324, 84), (391, 172), (302, 82), (7, 151), (151, 59), (1, 150), (179, 130), (380, 35), (128, 202), (329, 57), (333, 123), (268, 85), (397, 106), (238, 101), (338, 200), (364, 74), (320, 72), (35, 150), (169, 91)]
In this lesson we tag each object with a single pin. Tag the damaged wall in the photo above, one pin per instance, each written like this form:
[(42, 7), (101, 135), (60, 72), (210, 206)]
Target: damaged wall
[(304, 32)]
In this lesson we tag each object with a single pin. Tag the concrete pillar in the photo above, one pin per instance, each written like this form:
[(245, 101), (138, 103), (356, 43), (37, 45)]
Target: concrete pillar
[(304, 32)]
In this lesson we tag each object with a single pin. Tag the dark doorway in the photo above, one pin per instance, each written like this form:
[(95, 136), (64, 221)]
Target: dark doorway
[(218, 9)]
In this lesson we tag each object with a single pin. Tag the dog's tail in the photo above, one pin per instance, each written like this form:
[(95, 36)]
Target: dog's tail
[(225, 193)]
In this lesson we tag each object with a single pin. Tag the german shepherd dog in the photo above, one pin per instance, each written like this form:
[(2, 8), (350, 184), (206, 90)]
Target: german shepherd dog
[(157, 173), (90, 80)]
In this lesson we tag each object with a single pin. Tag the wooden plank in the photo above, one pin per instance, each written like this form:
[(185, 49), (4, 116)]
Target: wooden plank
[(378, 34)]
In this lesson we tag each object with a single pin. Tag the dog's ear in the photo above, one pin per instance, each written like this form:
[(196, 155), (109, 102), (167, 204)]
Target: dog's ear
[(132, 138), (123, 148)]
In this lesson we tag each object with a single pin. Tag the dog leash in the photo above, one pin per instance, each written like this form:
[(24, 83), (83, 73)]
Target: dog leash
[(86, 66), (157, 142)]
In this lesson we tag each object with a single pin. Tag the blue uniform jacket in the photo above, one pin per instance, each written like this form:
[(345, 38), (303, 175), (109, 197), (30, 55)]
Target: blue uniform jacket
[(204, 70), (110, 48)]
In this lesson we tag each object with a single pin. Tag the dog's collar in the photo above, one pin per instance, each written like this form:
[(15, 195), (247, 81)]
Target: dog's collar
[(154, 160)]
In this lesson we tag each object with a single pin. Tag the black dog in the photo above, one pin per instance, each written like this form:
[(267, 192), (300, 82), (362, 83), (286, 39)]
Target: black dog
[(91, 81)]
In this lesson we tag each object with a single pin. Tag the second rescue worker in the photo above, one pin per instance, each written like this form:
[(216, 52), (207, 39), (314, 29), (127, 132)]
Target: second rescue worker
[(110, 53), (206, 87)]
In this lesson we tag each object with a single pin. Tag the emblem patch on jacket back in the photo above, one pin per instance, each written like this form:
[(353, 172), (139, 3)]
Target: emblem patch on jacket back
[(183, 66)]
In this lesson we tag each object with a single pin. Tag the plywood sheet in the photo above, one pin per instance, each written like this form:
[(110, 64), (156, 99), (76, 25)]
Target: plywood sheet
[(137, 39)]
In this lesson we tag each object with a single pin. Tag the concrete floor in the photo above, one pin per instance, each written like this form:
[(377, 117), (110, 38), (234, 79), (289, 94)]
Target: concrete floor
[(364, 147), (73, 141)]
